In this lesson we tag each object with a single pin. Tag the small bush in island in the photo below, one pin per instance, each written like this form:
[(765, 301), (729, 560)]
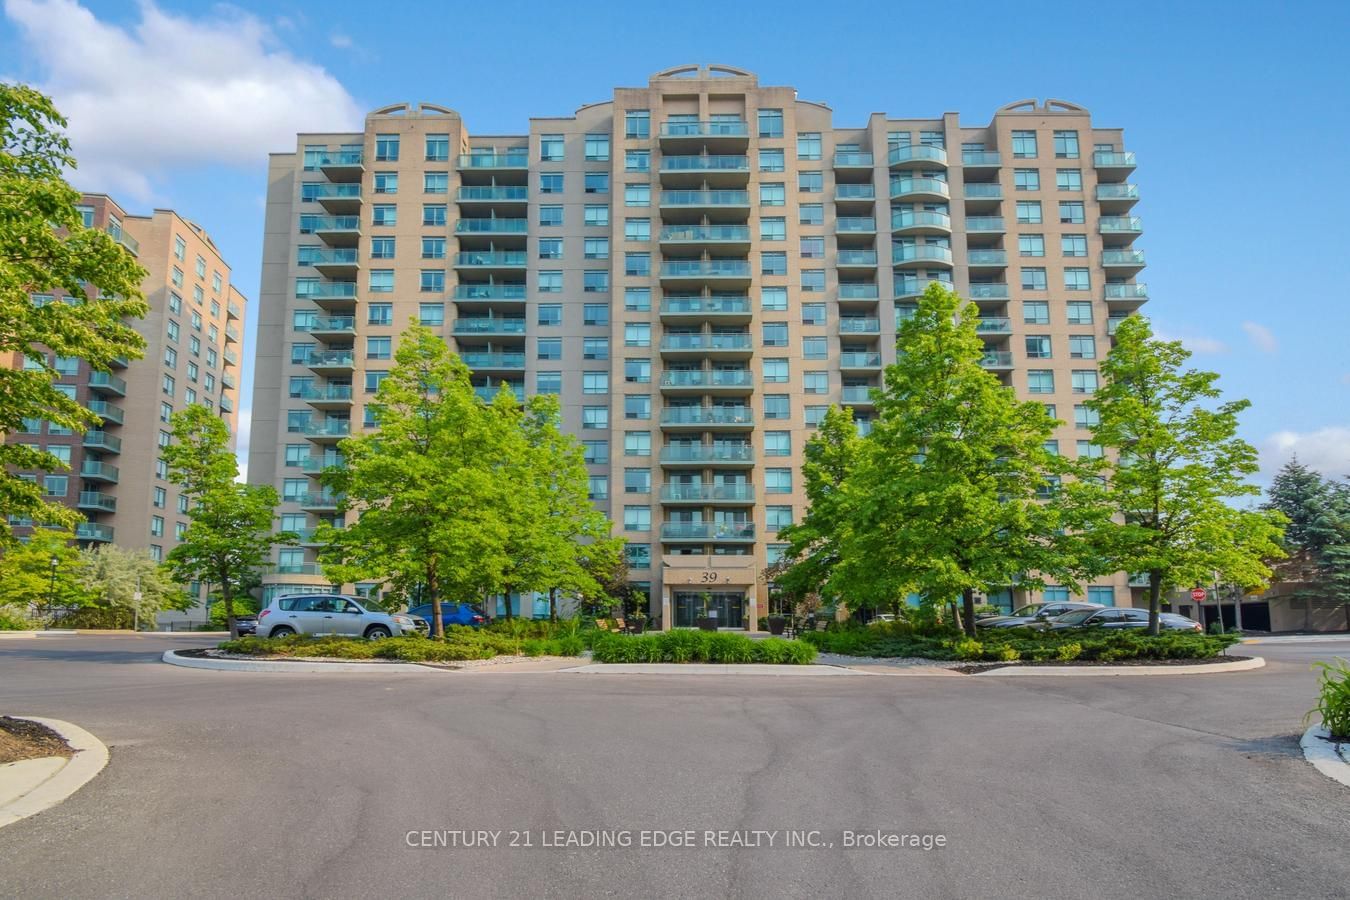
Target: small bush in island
[(1333, 699), (460, 643), (683, 646)]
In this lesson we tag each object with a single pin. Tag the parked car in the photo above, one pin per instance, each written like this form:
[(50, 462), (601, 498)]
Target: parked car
[(246, 624), (1117, 619), (1036, 615), (451, 614), (331, 614), (882, 619)]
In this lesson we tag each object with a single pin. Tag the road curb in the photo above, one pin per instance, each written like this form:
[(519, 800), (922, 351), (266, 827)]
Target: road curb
[(1332, 760), (1237, 665), (264, 665), (760, 669), (90, 757)]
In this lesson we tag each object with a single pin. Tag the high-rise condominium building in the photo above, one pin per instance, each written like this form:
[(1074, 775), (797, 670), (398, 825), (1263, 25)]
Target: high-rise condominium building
[(193, 335), (699, 268)]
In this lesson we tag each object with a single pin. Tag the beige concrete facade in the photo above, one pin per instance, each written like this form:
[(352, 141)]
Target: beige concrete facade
[(699, 268), (193, 350)]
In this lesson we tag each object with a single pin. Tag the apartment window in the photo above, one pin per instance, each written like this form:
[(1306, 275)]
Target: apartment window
[(386, 182), (56, 485), (198, 295), (1079, 312), (171, 357), (777, 481), (432, 280), (193, 372), (1085, 417), (177, 277), (384, 214), (637, 161), (179, 245), (1071, 212), (637, 124), (550, 147), (775, 371), (550, 314), (550, 282), (386, 148), (438, 147), (777, 518), (637, 406), (637, 195), (637, 443), (1033, 278), (596, 216), (597, 147), (637, 518), (1031, 245), (200, 267), (550, 215), (816, 382), (637, 371), (380, 314), (812, 248), (1069, 179), (1028, 212), (637, 229), (810, 182), (548, 383), (1082, 346), (596, 183), (637, 481), (773, 229), (175, 303), (373, 380), (1036, 312), (1040, 381), (771, 123), (1066, 145), (637, 299), (1038, 346), (811, 214), (195, 346), (383, 248), (1077, 279), (595, 417), (637, 334), (550, 248), (597, 487), (1024, 144), (1084, 381), (431, 313), (775, 334), (773, 262), (595, 248), (161, 498), (157, 526), (777, 406), (433, 213), (379, 348), (1073, 245), (1051, 447), (435, 182), (165, 412), (813, 313), (551, 183), (772, 161), (637, 265), (808, 145), (549, 348), (595, 382), (168, 385), (381, 281), (815, 348), (773, 194), (595, 314), (1027, 179), (773, 298), (777, 443)]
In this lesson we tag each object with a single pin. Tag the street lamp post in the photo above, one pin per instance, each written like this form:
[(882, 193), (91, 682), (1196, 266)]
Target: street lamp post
[(51, 589)]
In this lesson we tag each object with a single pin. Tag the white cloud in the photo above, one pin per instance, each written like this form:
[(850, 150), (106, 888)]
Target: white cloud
[(1326, 450), (174, 91), (1261, 337), (340, 41), (1195, 343)]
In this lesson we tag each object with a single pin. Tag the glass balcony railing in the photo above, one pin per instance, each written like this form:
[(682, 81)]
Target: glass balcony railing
[(318, 500), (332, 325), (696, 268), (330, 428), (339, 256), (235, 310), (1126, 292), (705, 234), (97, 500), (988, 292), (853, 160), (489, 326), (98, 471), (489, 292), (705, 198), (707, 378), (855, 192), (1117, 192), (226, 404), (858, 291), (508, 160), (994, 325), (932, 187), (855, 224), (907, 253), (725, 452), (1121, 225), (984, 191), (904, 219), (986, 224), (706, 342), (329, 359), (710, 493), (97, 439), (314, 465), (1123, 258), (469, 194), (231, 358), (330, 158), (492, 226), (979, 158), (319, 224), (488, 393), (326, 393), (987, 257), (92, 531), (120, 235), (708, 531), (675, 306), (916, 153), (715, 163), (1113, 159), (705, 129), (1113, 323), (859, 325), (329, 290), (857, 258), (997, 359), (489, 259), (859, 359), (302, 568), (106, 411), (490, 360), (108, 382), (912, 287), (707, 415), (321, 191), (857, 393)]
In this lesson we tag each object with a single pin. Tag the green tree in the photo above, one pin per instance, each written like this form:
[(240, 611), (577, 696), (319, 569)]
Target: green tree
[(229, 537), (1172, 466), (1317, 533), (45, 248), (28, 578), (947, 495), (426, 490), (112, 576)]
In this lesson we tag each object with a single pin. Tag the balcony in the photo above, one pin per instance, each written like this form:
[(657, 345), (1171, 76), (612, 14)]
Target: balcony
[(492, 195), (487, 261), (93, 470), (856, 259), (493, 226), (105, 383), (488, 392), (340, 295), (726, 205), (234, 310), (1113, 164), (231, 358), (326, 396), (908, 288), (96, 501), (119, 234), (853, 160), (106, 411), (1117, 198), (341, 165), (228, 380), (723, 454), (734, 238), (733, 345), (997, 291), (855, 230), (1117, 260), (722, 532), (858, 395), (987, 259), (332, 328), (729, 308), (985, 225), (318, 465), (715, 136), (716, 272), (489, 292), (1113, 323), (500, 361), (919, 189), (341, 263), (489, 325), (859, 325), (695, 171), (318, 501), (864, 291), (508, 160), (1137, 292), (859, 360), (699, 493), (920, 254), (97, 439), (339, 199), (997, 360), (335, 231), (226, 404), (231, 334), (303, 568), (982, 191), (1126, 225), (916, 155), (327, 432), (331, 362), (980, 159), (920, 222), (92, 531), (712, 381), (848, 195), (700, 417), (993, 326)]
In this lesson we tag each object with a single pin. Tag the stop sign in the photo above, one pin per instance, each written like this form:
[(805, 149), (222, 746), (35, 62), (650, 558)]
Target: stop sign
[(1198, 594)]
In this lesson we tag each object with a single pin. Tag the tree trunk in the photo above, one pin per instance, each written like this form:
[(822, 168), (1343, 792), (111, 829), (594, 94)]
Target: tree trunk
[(968, 611), (1155, 601), (437, 623), (553, 605), (506, 594), (228, 599)]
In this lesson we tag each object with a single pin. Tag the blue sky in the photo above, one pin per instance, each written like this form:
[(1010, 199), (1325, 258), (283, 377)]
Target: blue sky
[(1237, 111)]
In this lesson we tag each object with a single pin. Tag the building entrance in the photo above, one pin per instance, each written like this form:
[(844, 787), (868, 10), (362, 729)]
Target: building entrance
[(727, 606)]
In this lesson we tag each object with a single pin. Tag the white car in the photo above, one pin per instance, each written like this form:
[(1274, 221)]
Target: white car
[(320, 614)]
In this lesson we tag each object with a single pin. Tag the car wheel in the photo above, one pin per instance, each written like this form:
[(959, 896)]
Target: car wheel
[(377, 632), (282, 631)]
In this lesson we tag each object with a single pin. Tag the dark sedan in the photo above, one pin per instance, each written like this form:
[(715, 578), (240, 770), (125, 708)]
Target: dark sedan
[(1113, 619), (1035, 615)]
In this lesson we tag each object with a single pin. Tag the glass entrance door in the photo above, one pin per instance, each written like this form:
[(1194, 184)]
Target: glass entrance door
[(728, 605)]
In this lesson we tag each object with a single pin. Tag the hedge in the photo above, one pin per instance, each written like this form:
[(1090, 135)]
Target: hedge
[(682, 646), (1017, 644)]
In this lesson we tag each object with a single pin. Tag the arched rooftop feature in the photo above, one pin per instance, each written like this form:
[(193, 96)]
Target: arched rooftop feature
[(713, 70), (1050, 105)]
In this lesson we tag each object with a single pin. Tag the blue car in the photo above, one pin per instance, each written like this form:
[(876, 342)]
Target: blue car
[(451, 614)]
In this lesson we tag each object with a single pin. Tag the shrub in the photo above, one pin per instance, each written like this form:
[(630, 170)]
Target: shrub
[(459, 644), (1068, 651), (110, 617), (700, 646), (12, 619), (1333, 699)]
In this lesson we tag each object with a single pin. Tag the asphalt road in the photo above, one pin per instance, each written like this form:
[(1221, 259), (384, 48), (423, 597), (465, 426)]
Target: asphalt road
[(240, 785)]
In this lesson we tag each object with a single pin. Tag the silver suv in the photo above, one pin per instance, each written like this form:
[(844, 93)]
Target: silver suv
[(336, 614)]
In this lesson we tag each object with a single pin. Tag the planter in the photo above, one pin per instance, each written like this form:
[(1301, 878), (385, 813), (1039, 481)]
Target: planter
[(776, 625), (706, 623), (637, 626)]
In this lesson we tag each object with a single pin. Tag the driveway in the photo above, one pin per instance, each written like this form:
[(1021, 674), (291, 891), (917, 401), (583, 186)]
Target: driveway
[(227, 784)]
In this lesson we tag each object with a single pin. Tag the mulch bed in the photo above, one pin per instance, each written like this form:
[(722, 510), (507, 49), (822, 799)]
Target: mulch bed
[(1089, 663), (21, 739)]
